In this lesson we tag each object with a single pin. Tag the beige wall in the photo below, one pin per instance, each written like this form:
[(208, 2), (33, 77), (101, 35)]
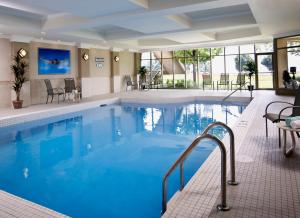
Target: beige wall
[(127, 62), (97, 81), (37, 85), (98, 72), (83, 65), (5, 73)]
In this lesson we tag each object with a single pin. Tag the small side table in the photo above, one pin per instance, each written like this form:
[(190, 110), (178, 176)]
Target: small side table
[(282, 126)]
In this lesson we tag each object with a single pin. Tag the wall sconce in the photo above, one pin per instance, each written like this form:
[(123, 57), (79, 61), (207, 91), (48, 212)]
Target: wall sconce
[(22, 52), (85, 56), (117, 58)]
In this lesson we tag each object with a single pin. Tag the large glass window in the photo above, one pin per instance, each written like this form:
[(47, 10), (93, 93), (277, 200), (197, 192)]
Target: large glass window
[(231, 50), (263, 47), (185, 68), (288, 62), (232, 66), (168, 76), (218, 67)]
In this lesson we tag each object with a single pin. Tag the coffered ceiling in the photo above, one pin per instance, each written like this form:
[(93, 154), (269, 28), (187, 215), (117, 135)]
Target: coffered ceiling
[(149, 24)]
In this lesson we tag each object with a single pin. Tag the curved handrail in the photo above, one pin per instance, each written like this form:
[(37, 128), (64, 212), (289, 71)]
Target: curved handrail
[(234, 91), (223, 206), (232, 149)]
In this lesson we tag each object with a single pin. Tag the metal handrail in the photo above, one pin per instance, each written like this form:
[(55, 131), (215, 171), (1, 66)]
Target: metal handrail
[(232, 181), (223, 206), (234, 91)]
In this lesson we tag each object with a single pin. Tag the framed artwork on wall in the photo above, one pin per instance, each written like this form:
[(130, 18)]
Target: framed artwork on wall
[(53, 61)]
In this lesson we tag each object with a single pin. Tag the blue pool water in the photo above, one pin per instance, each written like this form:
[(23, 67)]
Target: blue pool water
[(107, 161)]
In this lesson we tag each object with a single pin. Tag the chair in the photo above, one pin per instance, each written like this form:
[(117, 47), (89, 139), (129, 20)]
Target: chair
[(156, 81), (275, 118), (224, 81), (207, 81), (240, 81), (53, 91), (129, 82), (70, 87), (145, 83)]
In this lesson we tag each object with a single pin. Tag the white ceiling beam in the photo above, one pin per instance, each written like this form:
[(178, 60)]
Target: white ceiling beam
[(62, 19), (142, 3), (24, 7), (276, 16), (85, 34), (181, 20), (185, 6), (234, 22), (235, 34)]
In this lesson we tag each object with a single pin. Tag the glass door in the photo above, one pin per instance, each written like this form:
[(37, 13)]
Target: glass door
[(265, 72)]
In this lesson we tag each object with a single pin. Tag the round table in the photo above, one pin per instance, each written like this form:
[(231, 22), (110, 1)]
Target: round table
[(282, 126)]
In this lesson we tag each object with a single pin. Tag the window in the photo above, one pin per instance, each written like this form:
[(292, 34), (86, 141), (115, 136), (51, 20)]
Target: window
[(263, 47), (247, 49), (231, 50), (184, 68)]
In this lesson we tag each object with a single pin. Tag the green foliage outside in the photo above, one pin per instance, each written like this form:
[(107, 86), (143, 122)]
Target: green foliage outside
[(294, 51), (267, 62), (179, 83), (192, 55)]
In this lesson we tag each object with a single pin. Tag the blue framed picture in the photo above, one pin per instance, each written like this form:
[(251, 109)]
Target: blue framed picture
[(53, 61)]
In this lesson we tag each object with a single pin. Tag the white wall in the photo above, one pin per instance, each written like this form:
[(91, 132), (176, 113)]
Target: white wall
[(126, 68), (93, 86)]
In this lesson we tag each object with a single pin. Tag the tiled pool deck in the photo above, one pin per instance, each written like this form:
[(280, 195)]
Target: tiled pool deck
[(269, 182)]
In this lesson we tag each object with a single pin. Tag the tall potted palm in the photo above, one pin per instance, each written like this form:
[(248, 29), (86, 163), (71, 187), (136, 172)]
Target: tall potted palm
[(250, 67), (142, 72), (19, 68)]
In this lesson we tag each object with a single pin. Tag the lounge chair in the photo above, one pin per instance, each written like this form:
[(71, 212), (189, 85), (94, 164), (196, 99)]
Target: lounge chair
[(207, 81), (70, 87), (224, 81), (240, 81), (129, 82), (275, 118), (53, 91)]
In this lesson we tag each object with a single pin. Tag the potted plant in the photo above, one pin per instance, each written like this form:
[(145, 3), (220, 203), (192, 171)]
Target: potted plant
[(250, 66), (19, 68), (142, 72)]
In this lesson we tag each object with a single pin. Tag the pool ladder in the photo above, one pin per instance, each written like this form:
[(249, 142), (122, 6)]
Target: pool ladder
[(180, 161), (234, 91)]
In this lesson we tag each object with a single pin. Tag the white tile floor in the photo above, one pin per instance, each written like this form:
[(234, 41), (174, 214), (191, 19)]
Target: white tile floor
[(269, 182)]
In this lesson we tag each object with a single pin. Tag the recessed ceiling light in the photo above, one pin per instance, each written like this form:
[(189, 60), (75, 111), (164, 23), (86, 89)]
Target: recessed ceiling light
[(43, 33)]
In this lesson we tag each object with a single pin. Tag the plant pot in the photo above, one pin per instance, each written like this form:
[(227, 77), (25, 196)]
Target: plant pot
[(17, 104), (251, 88)]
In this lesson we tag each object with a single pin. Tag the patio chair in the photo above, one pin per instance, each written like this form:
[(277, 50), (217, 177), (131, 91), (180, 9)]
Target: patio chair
[(224, 81), (156, 81), (240, 81), (207, 81), (275, 118), (129, 82), (53, 91), (70, 87)]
